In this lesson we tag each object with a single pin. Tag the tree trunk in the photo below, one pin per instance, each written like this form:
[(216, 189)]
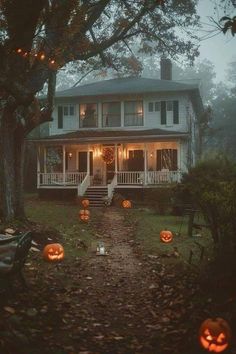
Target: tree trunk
[(19, 172), (11, 166)]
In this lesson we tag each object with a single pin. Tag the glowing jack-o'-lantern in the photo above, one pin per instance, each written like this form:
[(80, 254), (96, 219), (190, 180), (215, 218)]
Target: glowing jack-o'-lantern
[(85, 203), (214, 335), (53, 252), (126, 204), (166, 236), (84, 215)]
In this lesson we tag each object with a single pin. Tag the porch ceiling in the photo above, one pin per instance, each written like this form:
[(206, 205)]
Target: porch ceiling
[(111, 136)]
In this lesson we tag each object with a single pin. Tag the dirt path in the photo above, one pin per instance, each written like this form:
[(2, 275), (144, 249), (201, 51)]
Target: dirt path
[(123, 303)]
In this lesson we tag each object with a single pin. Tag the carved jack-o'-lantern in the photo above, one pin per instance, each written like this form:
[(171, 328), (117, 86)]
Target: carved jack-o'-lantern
[(166, 236), (126, 204), (85, 203), (214, 335), (84, 215), (53, 252)]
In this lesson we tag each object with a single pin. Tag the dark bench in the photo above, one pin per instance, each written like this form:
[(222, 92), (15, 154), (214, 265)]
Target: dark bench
[(13, 253)]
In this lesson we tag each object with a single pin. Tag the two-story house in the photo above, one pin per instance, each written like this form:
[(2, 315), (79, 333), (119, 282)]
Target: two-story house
[(120, 133)]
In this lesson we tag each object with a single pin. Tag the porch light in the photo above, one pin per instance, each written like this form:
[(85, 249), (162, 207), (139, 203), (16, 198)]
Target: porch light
[(70, 155), (151, 154)]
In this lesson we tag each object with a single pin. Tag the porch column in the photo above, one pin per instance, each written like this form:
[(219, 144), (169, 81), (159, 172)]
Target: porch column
[(88, 160), (116, 158), (145, 164), (44, 159), (38, 166), (64, 163)]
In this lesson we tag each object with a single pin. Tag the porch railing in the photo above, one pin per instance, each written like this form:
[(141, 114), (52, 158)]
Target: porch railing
[(111, 186), (60, 179), (84, 185), (130, 177), (148, 177), (159, 177)]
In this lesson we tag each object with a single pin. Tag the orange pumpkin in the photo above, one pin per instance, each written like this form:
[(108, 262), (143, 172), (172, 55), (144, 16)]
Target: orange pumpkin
[(166, 236), (85, 203), (53, 252), (214, 335), (84, 215), (126, 204)]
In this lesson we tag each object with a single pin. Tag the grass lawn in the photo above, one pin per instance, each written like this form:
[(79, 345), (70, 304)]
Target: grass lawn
[(63, 216), (149, 224)]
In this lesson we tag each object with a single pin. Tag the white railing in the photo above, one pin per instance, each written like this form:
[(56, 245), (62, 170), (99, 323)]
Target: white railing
[(83, 185), (130, 177), (160, 177), (148, 177), (111, 186), (60, 179)]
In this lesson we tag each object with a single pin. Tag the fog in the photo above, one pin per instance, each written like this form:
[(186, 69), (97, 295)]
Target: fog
[(220, 49)]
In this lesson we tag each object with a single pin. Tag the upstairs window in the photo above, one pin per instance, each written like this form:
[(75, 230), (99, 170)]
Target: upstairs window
[(169, 112), (154, 107), (64, 112), (111, 114), (133, 113), (88, 115)]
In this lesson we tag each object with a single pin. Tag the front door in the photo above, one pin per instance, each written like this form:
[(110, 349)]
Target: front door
[(83, 162)]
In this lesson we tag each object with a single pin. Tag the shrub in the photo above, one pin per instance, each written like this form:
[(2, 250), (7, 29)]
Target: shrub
[(211, 187)]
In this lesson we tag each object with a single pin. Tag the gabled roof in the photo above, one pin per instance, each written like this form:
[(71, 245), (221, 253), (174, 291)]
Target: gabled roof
[(125, 86), (111, 136)]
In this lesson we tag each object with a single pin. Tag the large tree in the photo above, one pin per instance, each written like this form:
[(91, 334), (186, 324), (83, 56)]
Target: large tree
[(39, 37)]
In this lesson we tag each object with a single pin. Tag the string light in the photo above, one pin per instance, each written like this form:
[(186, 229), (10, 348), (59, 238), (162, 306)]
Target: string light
[(41, 56)]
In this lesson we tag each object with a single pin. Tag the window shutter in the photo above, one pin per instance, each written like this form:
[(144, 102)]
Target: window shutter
[(158, 160), (163, 112), (60, 117), (176, 112), (174, 160)]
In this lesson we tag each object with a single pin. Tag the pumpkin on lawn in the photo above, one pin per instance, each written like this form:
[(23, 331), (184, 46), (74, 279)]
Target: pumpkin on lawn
[(85, 203), (166, 236), (53, 252), (84, 215), (126, 204), (214, 335)]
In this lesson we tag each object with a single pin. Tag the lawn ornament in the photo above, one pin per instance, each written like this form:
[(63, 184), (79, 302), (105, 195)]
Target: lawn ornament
[(85, 203), (166, 236), (214, 335), (53, 252), (126, 204), (101, 249), (84, 215)]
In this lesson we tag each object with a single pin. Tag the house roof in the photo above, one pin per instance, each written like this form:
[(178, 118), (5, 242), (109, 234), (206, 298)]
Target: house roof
[(111, 136), (126, 85)]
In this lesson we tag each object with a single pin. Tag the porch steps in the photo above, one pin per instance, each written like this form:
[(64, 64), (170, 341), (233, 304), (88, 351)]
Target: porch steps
[(96, 195)]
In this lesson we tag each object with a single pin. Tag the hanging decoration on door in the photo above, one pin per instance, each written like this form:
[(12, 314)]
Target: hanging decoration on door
[(108, 155)]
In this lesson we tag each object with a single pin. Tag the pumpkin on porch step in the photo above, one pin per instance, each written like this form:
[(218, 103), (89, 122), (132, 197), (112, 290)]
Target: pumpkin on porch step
[(126, 204), (85, 203), (166, 236), (84, 215), (53, 252)]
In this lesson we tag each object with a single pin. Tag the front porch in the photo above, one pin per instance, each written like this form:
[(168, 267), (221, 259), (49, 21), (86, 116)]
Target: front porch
[(139, 165)]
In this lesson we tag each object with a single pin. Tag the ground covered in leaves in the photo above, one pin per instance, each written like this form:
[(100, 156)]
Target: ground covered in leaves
[(126, 302)]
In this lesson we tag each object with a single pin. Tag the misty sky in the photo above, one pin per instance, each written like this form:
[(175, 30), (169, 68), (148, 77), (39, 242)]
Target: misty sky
[(220, 49)]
